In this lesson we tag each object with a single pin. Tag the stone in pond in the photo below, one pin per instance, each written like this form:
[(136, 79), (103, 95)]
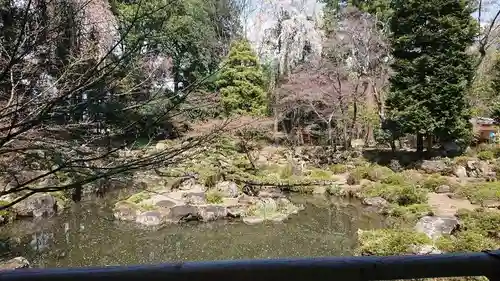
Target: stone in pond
[(228, 189), (183, 212), (150, 218), (253, 220), (435, 227), (211, 212)]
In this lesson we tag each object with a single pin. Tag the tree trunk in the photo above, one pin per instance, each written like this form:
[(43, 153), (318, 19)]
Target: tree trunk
[(429, 142), (420, 142)]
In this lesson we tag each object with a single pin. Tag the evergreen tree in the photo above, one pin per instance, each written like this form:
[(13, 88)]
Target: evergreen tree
[(432, 68), (242, 82)]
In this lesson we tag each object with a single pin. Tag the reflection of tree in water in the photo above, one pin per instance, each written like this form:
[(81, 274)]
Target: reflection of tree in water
[(41, 241)]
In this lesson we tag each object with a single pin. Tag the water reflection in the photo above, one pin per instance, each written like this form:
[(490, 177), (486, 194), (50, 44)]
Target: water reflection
[(88, 235)]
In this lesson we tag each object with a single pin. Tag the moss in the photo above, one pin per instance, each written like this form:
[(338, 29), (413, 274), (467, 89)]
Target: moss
[(481, 192), (465, 241), (338, 168), (403, 195), (411, 212), (214, 197), (486, 155), (139, 197), (147, 207), (318, 174), (5, 212), (384, 242), (434, 181)]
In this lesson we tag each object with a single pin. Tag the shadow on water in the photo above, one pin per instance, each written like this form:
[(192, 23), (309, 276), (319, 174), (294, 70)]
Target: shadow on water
[(87, 235)]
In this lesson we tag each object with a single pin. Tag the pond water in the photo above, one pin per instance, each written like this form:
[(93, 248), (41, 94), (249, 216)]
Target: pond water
[(87, 235)]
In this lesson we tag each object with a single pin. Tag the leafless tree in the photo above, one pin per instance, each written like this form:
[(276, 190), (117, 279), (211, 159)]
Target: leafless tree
[(69, 97), (352, 73), (488, 16)]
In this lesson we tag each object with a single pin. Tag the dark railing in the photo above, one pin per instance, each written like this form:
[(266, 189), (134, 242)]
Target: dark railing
[(314, 269)]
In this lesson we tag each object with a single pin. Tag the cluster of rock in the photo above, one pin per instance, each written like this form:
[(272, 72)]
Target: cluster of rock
[(193, 201), (473, 168), (36, 206)]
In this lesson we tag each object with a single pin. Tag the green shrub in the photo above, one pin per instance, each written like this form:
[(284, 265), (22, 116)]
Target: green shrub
[(335, 190), (487, 223), (413, 176), (378, 173), (338, 168), (411, 212), (461, 160), (434, 181), (385, 242), (403, 195), (357, 174), (481, 192), (214, 197), (486, 155), (394, 179), (466, 241), (286, 171)]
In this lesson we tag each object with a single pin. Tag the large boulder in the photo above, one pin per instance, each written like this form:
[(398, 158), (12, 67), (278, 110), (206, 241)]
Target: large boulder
[(228, 189), (150, 218), (435, 227), (378, 202), (460, 171), (37, 205), (15, 263), (212, 212), (434, 166)]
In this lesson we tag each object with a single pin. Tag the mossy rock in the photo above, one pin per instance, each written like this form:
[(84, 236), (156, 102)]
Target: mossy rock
[(385, 242)]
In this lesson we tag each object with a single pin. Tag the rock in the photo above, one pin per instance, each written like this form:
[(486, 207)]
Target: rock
[(193, 199), (150, 218), (165, 202), (212, 212), (376, 202), (183, 212), (357, 143), (235, 212), (443, 189), (267, 205), (161, 146), (320, 189), (15, 263), (435, 227), (125, 211), (231, 202), (253, 220), (246, 200), (451, 148), (271, 192), (228, 189), (187, 184), (426, 250), (37, 205), (434, 166), (279, 218), (490, 204), (460, 171)]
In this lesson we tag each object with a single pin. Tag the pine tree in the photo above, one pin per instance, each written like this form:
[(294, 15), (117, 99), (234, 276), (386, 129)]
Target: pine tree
[(242, 82), (432, 68)]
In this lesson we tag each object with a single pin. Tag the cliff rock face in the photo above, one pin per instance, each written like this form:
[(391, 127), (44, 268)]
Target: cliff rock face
[(285, 32)]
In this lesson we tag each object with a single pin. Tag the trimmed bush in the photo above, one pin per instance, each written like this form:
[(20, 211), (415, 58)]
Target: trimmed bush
[(486, 155), (385, 242)]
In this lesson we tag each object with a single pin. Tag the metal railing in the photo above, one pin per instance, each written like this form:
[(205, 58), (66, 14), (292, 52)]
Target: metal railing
[(314, 269)]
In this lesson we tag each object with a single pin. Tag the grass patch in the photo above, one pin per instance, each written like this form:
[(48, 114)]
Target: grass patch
[(402, 195), (481, 192), (138, 197), (461, 160), (214, 197), (318, 174), (338, 168), (385, 242)]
